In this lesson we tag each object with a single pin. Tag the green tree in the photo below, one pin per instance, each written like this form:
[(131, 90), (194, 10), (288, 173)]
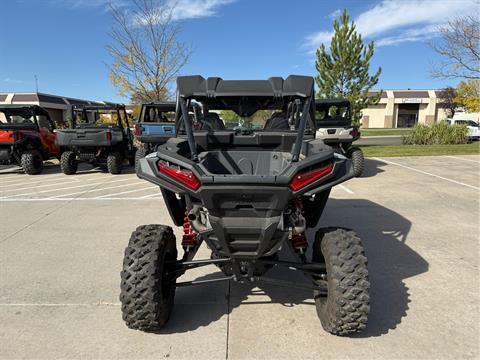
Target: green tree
[(344, 69), (468, 95)]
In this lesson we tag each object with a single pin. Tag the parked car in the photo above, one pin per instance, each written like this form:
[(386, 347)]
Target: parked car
[(99, 135), (26, 137), (334, 125), (473, 127)]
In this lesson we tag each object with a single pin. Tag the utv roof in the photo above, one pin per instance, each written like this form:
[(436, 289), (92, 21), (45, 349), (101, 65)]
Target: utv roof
[(197, 86), (107, 106), (23, 109), (338, 102), (162, 105)]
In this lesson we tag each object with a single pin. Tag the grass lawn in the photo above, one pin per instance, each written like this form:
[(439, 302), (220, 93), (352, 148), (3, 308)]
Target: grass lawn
[(421, 150), (384, 132)]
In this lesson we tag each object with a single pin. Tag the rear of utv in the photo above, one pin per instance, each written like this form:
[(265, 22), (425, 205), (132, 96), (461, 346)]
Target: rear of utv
[(247, 187), (334, 127), (26, 137), (100, 135)]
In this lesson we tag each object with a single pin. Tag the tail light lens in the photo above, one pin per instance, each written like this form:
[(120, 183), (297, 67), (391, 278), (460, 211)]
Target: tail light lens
[(185, 177), (137, 129), (18, 136), (109, 136), (303, 179)]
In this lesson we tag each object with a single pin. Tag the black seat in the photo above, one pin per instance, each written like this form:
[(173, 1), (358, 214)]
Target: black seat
[(213, 122), (278, 121)]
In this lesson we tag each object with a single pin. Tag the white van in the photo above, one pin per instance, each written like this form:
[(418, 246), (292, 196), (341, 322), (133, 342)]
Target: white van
[(473, 127)]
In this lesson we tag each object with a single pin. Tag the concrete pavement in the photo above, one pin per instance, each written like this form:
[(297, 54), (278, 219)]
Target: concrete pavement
[(61, 253)]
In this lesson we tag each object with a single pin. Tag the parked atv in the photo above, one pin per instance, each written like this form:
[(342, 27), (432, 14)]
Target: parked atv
[(334, 126), (247, 191), (26, 137), (100, 135), (156, 124)]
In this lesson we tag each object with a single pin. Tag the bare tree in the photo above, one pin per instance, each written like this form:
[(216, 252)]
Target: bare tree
[(146, 52), (459, 45)]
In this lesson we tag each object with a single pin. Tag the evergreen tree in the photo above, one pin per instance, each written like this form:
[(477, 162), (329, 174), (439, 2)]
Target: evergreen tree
[(343, 71)]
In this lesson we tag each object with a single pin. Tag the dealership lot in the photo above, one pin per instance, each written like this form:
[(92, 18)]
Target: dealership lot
[(61, 249)]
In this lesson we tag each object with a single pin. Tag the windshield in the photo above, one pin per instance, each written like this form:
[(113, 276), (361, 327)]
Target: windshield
[(157, 114), (326, 113), (251, 114), (466, 122), (99, 117), (18, 118)]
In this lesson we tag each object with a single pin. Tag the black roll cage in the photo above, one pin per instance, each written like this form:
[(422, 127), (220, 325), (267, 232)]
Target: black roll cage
[(191, 88), (31, 110), (96, 108)]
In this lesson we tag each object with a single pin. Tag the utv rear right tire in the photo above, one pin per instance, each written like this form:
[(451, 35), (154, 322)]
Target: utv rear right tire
[(147, 290), (114, 163), (139, 154), (68, 163), (32, 162), (344, 309)]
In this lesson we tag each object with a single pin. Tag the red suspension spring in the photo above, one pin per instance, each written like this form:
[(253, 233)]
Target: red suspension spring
[(299, 241), (189, 236)]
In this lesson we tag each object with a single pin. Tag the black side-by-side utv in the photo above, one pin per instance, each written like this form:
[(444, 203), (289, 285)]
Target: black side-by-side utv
[(247, 192), (99, 135), (334, 126)]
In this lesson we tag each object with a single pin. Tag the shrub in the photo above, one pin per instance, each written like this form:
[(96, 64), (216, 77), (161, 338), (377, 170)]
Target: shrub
[(437, 134)]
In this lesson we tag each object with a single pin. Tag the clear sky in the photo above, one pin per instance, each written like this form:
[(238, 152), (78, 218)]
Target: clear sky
[(63, 41)]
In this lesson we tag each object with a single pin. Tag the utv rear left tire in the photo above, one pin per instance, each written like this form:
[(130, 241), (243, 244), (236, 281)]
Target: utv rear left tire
[(114, 163), (32, 162), (147, 290), (344, 309), (358, 161), (68, 163)]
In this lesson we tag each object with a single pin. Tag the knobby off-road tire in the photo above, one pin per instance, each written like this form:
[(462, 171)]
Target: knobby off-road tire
[(344, 310), (32, 162), (114, 163), (147, 292), (140, 154), (358, 161), (68, 163)]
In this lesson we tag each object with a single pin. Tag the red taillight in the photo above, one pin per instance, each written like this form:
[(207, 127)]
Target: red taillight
[(109, 136), (138, 129), (184, 176), (303, 179)]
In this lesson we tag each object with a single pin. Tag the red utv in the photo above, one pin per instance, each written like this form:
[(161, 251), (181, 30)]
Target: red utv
[(26, 137)]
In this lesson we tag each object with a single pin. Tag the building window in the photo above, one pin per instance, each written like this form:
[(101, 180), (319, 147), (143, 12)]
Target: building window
[(407, 115)]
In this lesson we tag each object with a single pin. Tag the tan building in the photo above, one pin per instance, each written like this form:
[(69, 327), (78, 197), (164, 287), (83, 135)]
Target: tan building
[(59, 107), (404, 108)]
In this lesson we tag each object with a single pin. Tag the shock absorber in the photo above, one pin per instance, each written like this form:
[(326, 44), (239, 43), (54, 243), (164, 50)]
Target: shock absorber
[(299, 242), (189, 238)]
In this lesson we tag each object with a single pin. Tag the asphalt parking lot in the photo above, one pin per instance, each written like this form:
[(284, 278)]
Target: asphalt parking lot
[(61, 248)]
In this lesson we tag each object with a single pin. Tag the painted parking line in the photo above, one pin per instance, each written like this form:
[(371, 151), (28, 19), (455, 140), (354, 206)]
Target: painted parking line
[(13, 178), (346, 189), (83, 192), (427, 173), (460, 158), (40, 185), (78, 199), (66, 188), (124, 192)]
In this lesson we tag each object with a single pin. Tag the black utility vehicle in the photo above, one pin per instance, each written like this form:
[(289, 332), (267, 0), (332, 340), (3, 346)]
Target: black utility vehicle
[(334, 126), (100, 134), (26, 137), (247, 191)]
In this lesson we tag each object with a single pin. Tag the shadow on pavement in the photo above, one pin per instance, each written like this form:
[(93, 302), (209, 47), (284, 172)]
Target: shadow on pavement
[(372, 168), (391, 261)]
